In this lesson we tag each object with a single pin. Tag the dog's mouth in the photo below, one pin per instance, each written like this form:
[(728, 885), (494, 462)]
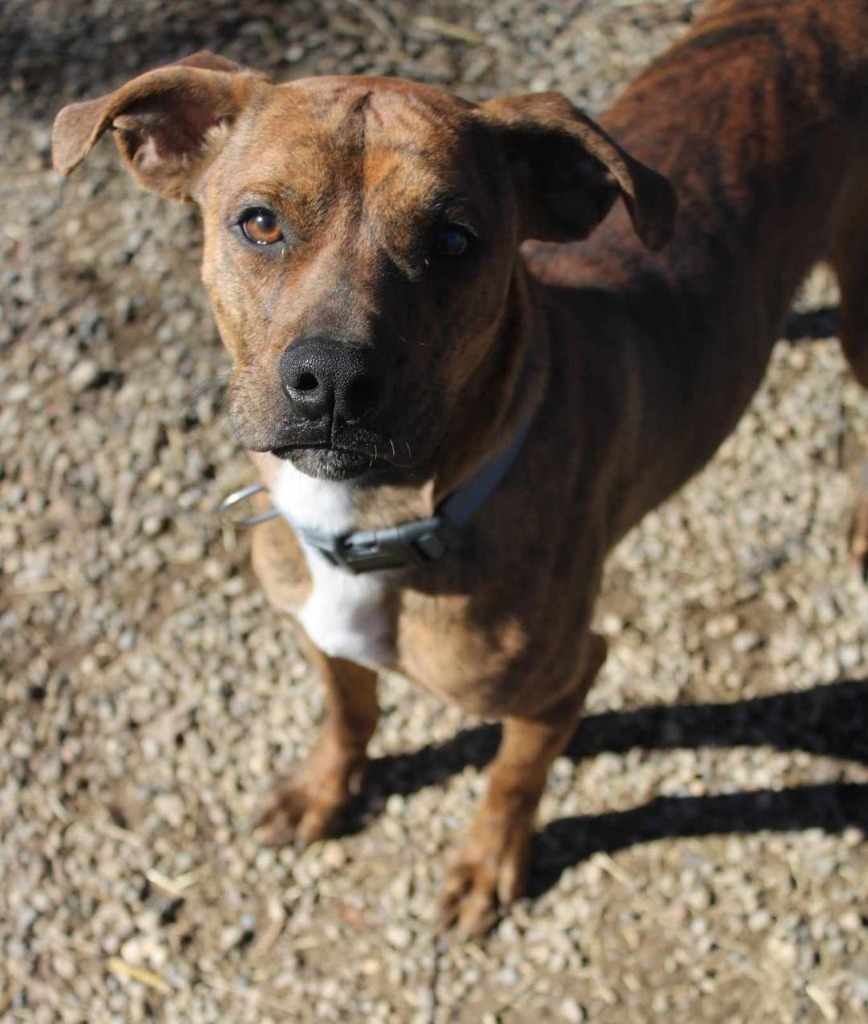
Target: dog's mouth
[(328, 463), (387, 453), (346, 458)]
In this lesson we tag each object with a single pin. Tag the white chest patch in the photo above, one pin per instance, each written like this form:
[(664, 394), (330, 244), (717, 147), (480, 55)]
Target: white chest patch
[(346, 616)]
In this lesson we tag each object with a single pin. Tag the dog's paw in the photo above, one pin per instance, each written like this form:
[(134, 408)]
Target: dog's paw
[(488, 872), (296, 812)]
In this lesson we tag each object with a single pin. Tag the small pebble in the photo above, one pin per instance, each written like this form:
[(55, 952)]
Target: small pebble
[(83, 375)]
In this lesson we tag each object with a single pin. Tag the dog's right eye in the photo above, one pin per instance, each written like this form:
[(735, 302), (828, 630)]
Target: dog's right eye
[(261, 227)]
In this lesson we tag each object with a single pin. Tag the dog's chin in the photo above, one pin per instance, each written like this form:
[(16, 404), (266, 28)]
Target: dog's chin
[(329, 463)]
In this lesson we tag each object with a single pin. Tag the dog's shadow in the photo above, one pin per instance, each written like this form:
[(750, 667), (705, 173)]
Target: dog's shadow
[(830, 720)]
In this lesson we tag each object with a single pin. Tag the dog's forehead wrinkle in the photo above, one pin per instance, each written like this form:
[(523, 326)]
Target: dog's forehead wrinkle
[(377, 138), (397, 91), (386, 109)]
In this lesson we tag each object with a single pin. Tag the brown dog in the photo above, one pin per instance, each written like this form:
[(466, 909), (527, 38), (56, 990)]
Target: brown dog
[(400, 355)]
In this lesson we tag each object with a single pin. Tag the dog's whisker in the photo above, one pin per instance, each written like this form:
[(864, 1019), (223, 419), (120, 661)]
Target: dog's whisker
[(218, 385)]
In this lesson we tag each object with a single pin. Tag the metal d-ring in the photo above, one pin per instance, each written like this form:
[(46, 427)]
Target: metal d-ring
[(236, 497)]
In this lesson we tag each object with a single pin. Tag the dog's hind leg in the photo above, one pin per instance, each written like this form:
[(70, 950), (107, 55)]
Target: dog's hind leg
[(848, 254)]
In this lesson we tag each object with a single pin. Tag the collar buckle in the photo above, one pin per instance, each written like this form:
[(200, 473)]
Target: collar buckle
[(395, 547)]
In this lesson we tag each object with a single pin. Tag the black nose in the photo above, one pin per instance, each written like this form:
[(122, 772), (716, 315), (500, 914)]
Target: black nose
[(324, 375)]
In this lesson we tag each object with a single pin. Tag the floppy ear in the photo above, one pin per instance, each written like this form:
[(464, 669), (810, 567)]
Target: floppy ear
[(166, 122), (569, 172)]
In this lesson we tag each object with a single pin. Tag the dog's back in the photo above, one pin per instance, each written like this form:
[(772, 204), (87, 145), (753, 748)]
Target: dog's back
[(756, 115), (759, 116)]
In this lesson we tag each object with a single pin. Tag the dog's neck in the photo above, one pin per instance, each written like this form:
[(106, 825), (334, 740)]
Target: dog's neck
[(502, 395), (310, 503), (341, 506)]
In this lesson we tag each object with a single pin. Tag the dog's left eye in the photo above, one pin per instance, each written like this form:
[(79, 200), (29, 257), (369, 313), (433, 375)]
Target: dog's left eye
[(261, 227), (451, 242)]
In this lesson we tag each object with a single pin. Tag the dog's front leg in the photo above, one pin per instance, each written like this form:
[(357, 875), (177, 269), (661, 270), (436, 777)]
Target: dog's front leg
[(309, 805), (490, 867)]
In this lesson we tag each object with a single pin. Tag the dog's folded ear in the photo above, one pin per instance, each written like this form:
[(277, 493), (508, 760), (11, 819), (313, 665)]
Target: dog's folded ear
[(166, 123), (569, 172)]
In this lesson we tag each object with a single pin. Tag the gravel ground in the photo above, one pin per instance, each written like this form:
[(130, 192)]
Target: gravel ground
[(701, 855)]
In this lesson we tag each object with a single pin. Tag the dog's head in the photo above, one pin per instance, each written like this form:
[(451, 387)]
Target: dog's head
[(361, 237)]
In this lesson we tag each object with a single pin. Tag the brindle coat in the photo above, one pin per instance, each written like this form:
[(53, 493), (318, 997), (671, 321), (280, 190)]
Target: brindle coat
[(632, 363)]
